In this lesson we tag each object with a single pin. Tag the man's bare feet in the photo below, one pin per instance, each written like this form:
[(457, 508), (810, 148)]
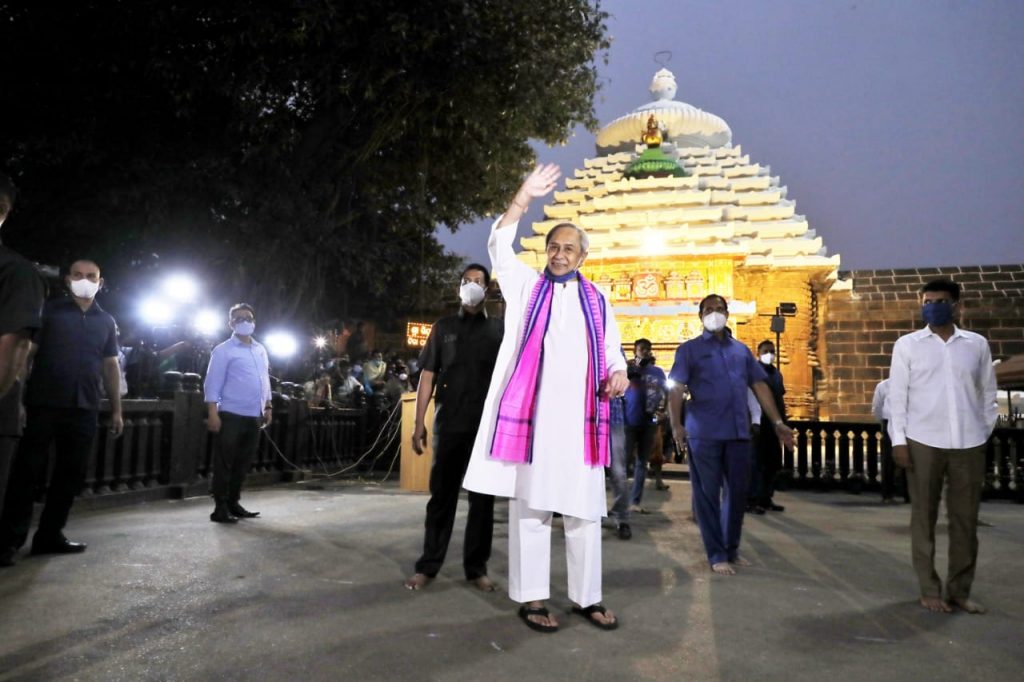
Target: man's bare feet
[(969, 605), (740, 561), (483, 583), (723, 568), (936, 604), (547, 621), (418, 581)]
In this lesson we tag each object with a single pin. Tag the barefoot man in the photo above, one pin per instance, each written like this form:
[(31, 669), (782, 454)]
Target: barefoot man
[(717, 370), (942, 409), (544, 437)]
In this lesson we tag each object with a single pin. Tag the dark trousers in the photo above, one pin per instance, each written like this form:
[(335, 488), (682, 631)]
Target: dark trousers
[(639, 440), (719, 471), (894, 479), (233, 454), (451, 457), (963, 472), (73, 432), (8, 446), (765, 462)]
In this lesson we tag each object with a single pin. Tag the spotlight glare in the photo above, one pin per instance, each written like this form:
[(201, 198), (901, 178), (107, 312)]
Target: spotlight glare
[(181, 288), (669, 383), (156, 313), (320, 342), (207, 322), (281, 344)]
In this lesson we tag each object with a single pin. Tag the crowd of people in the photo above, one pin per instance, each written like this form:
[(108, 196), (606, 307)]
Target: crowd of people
[(534, 407)]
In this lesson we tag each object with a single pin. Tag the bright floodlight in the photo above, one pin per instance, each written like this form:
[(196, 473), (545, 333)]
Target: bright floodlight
[(156, 312), (320, 342), (207, 322), (281, 344), (181, 288), (669, 383)]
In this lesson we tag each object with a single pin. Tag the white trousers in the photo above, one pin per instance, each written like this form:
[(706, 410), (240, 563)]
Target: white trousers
[(529, 555)]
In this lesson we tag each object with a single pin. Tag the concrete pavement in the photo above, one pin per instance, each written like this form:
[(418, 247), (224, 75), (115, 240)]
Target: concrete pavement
[(312, 590)]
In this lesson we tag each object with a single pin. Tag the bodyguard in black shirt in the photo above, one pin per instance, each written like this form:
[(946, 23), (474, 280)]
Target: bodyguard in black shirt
[(458, 359), (21, 302), (77, 349)]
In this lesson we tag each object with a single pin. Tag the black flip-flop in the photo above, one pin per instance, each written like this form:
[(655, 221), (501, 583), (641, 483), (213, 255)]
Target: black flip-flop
[(526, 611), (590, 611)]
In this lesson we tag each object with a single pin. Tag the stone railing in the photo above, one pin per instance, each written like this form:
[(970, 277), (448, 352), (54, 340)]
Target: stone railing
[(848, 455)]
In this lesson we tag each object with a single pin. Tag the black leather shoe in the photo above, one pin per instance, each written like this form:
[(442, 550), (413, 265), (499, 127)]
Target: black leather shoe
[(8, 556), (241, 512), (775, 507), (59, 545), (222, 515), (625, 532)]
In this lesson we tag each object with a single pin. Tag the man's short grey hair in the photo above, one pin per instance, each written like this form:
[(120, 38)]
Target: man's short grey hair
[(584, 239)]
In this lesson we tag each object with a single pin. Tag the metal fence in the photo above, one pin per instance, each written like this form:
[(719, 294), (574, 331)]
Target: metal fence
[(847, 455), (166, 450)]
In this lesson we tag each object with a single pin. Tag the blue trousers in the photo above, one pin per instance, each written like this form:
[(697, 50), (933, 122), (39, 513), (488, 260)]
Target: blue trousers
[(719, 473)]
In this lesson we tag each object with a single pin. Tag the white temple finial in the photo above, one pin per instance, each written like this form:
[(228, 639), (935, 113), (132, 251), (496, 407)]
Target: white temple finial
[(663, 87)]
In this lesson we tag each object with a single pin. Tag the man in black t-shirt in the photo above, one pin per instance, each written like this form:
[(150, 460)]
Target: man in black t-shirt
[(75, 352), (458, 359), (21, 303)]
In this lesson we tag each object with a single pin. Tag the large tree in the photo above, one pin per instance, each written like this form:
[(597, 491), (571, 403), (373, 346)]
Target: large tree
[(299, 154)]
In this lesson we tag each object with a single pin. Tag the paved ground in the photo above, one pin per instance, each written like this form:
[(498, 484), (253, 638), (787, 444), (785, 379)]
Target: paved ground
[(313, 591)]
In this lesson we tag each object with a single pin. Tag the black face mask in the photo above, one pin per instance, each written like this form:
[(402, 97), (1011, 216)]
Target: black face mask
[(645, 362)]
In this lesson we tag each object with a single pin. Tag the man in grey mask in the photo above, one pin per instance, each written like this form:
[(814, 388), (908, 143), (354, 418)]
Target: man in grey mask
[(458, 360)]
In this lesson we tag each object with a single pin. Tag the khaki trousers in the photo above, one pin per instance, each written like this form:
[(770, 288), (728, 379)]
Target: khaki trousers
[(964, 474)]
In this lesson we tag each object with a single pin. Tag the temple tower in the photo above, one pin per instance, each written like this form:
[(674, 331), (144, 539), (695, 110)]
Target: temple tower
[(660, 240)]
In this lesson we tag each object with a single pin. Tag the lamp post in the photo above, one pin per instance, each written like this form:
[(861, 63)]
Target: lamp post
[(782, 311)]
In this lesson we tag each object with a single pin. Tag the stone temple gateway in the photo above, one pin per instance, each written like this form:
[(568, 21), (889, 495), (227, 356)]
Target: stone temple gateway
[(660, 244)]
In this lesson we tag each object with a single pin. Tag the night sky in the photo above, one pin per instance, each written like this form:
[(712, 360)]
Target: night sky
[(895, 125)]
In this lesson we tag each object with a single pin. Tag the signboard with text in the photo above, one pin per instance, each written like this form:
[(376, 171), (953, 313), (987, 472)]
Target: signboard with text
[(416, 334)]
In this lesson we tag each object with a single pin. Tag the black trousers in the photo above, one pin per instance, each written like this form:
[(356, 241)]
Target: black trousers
[(451, 457), (8, 446), (894, 479), (233, 454), (769, 461), (73, 432)]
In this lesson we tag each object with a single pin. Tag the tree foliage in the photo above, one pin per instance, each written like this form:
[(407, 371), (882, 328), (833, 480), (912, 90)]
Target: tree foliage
[(299, 154)]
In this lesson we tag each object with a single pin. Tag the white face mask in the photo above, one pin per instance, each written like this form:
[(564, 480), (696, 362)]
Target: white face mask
[(471, 294), (245, 328), (714, 322), (767, 358), (83, 288)]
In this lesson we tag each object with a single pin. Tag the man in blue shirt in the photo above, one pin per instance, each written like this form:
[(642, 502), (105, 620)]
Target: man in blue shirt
[(717, 370), (74, 353), (238, 403), (644, 399)]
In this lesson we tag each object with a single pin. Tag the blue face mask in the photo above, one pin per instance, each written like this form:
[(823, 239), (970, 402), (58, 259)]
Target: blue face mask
[(937, 314)]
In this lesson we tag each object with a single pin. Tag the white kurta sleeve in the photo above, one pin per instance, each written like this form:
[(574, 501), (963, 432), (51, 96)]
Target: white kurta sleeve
[(613, 343), (512, 274)]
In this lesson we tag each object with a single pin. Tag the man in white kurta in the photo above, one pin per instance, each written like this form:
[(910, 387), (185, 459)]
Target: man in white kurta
[(558, 479)]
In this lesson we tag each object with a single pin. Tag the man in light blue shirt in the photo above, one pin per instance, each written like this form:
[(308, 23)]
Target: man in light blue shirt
[(238, 403)]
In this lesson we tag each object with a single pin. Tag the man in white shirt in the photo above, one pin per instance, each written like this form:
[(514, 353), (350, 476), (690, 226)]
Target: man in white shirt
[(942, 409), (890, 484)]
